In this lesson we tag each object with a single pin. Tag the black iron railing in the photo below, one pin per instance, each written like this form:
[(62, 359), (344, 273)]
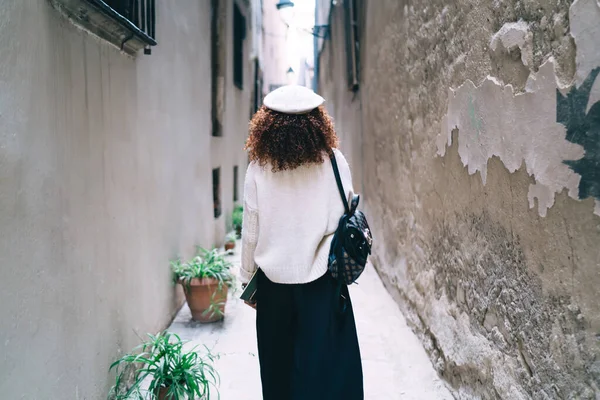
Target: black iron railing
[(139, 16)]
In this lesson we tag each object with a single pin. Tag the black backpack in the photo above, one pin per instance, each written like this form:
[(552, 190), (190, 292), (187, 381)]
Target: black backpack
[(351, 244)]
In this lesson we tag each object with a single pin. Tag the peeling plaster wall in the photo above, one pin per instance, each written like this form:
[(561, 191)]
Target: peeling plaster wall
[(105, 175), (528, 133), (480, 126)]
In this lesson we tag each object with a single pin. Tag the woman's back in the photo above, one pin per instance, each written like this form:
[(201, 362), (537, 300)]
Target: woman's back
[(307, 345), (293, 215)]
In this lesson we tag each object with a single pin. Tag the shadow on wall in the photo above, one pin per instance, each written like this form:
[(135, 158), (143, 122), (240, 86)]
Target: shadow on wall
[(583, 128)]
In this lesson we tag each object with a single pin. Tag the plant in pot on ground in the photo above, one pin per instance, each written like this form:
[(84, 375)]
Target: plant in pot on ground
[(230, 241), (237, 219), (205, 280), (162, 370)]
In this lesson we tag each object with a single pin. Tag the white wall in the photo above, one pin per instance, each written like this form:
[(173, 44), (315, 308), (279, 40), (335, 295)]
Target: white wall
[(105, 175)]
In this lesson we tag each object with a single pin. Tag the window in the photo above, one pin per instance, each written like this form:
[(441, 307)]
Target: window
[(235, 184), (239, 34), (216, 181), (141, 13), (128, 24), (215, 70), (352, 44), (257, 100)]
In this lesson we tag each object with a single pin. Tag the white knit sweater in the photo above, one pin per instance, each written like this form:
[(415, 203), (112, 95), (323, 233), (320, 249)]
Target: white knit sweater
[(290, 218)]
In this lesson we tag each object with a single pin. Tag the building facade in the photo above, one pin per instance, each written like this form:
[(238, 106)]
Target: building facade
[(274, 60), (475, 129), (112, 163)]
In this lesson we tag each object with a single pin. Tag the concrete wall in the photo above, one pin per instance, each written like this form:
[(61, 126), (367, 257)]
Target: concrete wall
[(228, 150), (343, 105), (274, 58), (480, 132), (105, 175)]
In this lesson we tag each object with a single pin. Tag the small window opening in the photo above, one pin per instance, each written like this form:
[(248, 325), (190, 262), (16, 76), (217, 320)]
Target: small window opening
[(239, 34), (352, 44), (215, 67), (216, 178), (235, 184)]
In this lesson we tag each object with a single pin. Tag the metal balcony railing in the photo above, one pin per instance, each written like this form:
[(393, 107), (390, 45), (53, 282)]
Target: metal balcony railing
[(138, 16), (128, 24)]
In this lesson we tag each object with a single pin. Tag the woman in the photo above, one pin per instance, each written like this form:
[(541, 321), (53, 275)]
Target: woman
[(308, 350)]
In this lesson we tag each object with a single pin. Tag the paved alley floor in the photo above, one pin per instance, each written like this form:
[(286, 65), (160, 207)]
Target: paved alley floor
[(395, 365)]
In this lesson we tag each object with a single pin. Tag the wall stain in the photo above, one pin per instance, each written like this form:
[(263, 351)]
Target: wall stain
[(583, 129)]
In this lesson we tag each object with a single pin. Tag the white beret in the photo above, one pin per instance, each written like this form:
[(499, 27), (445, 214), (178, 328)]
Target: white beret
[(293, 99)]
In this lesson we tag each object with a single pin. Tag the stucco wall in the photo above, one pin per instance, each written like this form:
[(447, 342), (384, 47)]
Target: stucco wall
[(480, 132), (343, 105), (228, 150), (105, 175)]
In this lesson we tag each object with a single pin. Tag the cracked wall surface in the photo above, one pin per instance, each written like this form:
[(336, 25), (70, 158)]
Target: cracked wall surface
[(486, 230)]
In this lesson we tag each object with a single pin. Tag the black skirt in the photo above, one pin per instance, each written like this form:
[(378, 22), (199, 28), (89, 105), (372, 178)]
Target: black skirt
[(307, 349)]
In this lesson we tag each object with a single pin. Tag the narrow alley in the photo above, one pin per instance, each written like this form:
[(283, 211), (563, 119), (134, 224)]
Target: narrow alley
[(394, 362), (140, 138)]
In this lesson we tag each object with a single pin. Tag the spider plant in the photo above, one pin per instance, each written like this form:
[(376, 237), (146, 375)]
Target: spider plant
[(207, 264), (230, 237), (172, 372), (237, 219)]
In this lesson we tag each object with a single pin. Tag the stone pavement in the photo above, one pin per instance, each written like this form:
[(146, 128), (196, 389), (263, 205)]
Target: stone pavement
[(395, 365)]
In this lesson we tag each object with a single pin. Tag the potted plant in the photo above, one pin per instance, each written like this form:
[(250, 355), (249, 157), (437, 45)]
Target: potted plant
[(237, 219), (205, 279), (230, 241), (162, 370)]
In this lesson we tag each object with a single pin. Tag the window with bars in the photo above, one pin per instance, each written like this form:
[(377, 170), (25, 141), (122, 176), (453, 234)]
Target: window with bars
[(235, 184), (140, 13), (239, 34), (352, 43), (215, 69), (216, 181), (128, 24)]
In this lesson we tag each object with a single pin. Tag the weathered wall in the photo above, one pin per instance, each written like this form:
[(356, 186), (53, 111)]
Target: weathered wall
[(480, 132), (228, 150), (343, 105), (105, 175)]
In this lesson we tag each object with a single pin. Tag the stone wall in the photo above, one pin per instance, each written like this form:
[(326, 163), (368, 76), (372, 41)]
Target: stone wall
[(480, 132), (105, 175)]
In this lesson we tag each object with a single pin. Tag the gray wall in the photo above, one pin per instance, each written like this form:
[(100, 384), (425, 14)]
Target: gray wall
[(481, 183), (343, 105), (105, 175)]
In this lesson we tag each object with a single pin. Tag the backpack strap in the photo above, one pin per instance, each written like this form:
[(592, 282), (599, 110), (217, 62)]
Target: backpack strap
[(338, 179)]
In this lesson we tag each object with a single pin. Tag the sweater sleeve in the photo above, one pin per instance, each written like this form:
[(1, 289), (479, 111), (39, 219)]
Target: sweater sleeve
[(249, 226)]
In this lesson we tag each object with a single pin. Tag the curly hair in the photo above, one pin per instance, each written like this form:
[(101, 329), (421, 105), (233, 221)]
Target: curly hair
[(287, 141)]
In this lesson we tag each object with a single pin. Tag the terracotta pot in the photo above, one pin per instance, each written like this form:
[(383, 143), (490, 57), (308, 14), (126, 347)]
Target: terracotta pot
[(200, 294), (229, 246), (162, 393)]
